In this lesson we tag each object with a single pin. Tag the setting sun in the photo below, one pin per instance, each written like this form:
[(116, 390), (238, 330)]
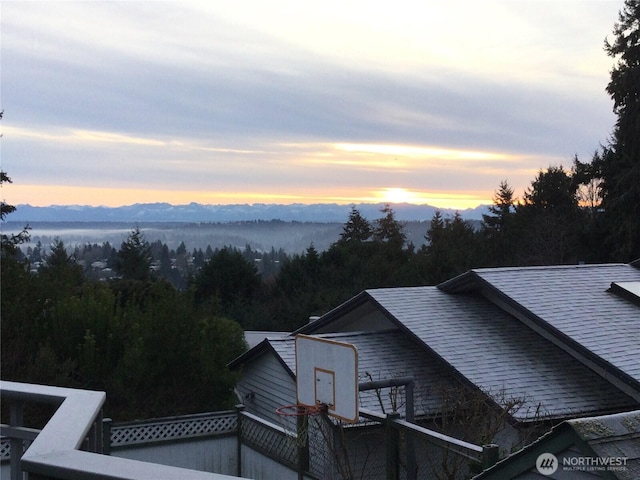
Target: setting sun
[(398, 195)]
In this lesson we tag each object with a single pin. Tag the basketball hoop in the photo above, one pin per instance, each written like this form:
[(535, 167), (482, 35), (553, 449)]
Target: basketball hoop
[(294, 419)]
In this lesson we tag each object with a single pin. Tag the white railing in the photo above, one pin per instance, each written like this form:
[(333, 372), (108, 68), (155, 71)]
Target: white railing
[(70, 444)]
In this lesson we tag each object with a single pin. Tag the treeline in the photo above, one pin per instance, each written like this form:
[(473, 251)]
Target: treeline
[(162, 349), (144, 342), (158, 348), (177, 266)]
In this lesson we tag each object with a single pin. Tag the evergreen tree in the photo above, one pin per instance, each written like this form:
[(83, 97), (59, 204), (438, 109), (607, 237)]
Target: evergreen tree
[(134, 257), (60, 269), (620, 162), (388, 229), (592, 238), (227, 278), (58, 256), (497, 228), (500, 211), (9, 243), (357, 228), (451, 248), (165, 262), (548, 220)]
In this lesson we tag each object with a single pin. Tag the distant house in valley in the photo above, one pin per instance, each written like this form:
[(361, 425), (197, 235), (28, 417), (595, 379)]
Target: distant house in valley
[(497, 355)]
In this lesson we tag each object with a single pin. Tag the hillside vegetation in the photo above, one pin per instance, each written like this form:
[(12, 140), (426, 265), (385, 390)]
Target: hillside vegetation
[(160, 347)]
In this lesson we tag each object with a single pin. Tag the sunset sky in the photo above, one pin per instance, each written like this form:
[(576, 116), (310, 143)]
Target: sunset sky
[(114, 103)]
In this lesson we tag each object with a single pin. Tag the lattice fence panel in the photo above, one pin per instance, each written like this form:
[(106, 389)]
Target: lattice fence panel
[(173, 428), (270, 441), (5, 449)]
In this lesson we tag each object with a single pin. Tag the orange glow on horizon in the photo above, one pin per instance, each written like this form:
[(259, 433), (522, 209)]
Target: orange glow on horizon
[(46, 195)]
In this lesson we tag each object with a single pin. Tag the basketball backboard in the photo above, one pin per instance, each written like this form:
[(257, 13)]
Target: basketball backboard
[(327, 374)]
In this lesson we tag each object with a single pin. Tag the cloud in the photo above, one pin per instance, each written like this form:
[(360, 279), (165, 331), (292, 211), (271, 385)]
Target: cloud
[(273, 96)]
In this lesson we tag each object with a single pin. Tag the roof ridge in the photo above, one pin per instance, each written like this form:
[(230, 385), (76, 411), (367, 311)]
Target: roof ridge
[(549, 267), (290, 338), (406, 287)]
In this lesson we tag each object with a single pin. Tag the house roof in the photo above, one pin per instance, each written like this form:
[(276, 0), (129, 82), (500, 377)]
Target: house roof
[(494, 351), (556, 338), (573, 306), (254, 337), (608, 436), (381, 356)]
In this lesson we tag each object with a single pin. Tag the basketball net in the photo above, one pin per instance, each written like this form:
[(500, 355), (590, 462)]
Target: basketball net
[(294, 419)]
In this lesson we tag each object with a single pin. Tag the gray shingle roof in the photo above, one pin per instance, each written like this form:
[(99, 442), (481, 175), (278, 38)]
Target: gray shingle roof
[(576, 302), (494, 351), (458, 325), (381, 356)]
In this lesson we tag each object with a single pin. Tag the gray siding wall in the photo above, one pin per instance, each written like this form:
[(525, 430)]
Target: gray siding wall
[(265, 386), (215, 455), (260, 467)]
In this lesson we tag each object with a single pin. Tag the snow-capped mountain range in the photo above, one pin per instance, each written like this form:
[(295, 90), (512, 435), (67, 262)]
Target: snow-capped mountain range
[(195, 212)]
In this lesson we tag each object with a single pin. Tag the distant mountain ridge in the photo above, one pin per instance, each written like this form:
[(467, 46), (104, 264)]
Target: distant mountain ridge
[(196, 212)]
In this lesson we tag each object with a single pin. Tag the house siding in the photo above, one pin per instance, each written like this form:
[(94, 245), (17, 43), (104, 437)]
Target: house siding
[(265, 386)]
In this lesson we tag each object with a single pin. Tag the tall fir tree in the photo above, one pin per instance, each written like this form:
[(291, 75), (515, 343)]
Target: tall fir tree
[(620, 162), (497, 231), (357, 228), (134, 257)]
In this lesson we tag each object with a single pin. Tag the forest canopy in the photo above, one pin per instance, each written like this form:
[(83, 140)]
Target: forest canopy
[(157, 335)]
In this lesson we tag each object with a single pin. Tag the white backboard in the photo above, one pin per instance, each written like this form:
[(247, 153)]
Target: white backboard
[(327, 373)]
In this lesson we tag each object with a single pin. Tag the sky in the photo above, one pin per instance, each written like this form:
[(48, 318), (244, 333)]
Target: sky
[(217, 102)]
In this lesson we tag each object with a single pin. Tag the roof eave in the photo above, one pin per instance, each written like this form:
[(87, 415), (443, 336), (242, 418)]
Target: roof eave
[(468, 281), (255, 352), (334, 314)]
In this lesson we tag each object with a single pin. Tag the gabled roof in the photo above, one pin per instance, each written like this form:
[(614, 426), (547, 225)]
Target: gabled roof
[(555, 337), (609, 436), (572, 306), (494, 351), (381, 355), (268, 345), (254, 337)]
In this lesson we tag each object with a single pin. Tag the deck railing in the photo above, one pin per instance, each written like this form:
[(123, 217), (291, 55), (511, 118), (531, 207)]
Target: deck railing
[(71, 443), (169, 429), (73, 440)]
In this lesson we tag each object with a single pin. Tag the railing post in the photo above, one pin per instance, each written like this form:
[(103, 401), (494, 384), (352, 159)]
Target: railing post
[(95, 439), (16, 419), (106, 436), (392, 436), (412, 469), (490, 454), (239, 409)]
